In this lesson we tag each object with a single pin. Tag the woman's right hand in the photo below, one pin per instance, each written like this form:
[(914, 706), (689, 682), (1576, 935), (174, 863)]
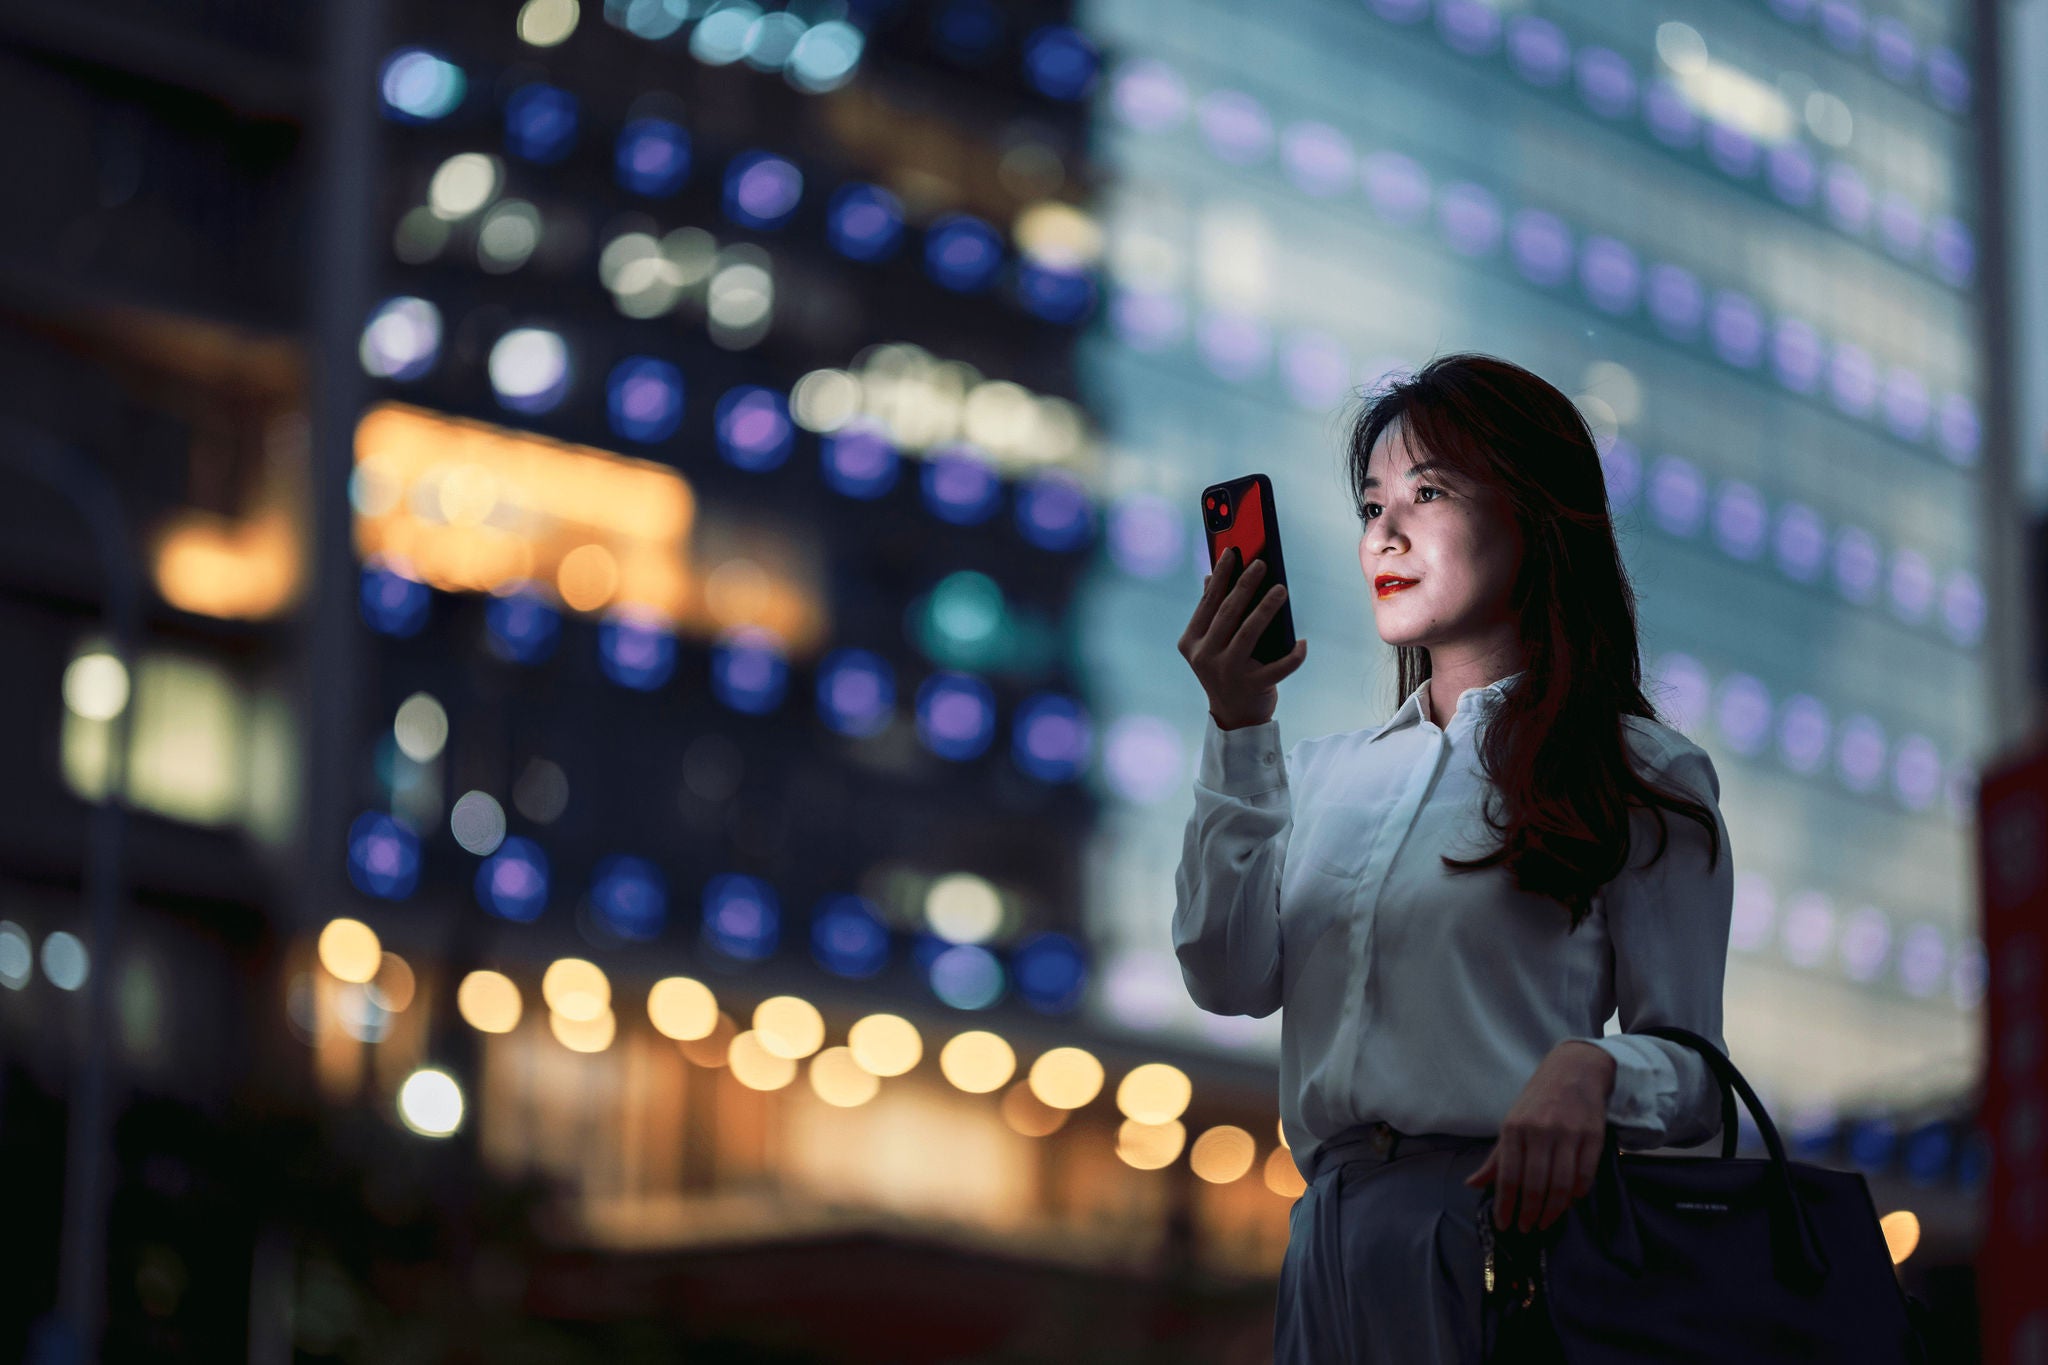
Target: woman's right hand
[(1218, 645)]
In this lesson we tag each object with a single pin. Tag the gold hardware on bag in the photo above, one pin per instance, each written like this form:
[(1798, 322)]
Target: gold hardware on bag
[(1513, 1278), (1486, 1242)]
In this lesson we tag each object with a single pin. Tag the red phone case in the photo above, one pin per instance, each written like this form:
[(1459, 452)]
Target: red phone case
[(1241, 513)]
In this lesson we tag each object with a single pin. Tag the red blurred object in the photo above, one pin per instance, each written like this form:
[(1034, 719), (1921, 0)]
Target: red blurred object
[(2012, 861)]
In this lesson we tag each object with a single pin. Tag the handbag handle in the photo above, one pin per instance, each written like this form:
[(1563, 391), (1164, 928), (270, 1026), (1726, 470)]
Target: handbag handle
[(1619, 1227)]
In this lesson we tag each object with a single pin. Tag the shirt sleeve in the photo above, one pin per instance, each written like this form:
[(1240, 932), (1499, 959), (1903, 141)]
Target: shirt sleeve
[(1226, 912), (1668, 924)]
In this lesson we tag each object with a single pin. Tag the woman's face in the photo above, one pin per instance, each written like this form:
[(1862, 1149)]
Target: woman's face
[(1462, 548)]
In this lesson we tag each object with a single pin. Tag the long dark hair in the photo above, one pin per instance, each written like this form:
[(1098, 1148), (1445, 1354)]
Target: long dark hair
[(1554, 748)]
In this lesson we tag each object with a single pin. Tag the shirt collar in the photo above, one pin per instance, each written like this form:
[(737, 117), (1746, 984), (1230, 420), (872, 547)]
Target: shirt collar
[(1411, 709)]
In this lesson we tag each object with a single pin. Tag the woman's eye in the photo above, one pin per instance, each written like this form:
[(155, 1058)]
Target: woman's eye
[(1365, 512)]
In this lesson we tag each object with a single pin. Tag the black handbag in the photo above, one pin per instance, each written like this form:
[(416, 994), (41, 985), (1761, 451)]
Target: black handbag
[(1672, 1258)]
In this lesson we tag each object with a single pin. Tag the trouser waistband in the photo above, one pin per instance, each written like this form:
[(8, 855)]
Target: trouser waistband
[(1383, 1142)]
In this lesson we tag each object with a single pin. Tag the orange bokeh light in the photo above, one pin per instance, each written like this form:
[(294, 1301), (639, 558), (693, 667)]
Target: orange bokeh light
[(467, 506)]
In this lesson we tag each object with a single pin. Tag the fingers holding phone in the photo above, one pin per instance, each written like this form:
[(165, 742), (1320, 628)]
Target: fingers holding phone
[(1219, 639)]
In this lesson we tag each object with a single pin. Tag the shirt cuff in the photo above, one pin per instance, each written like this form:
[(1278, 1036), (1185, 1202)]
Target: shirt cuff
[(1645, 1086), (1244, 761)]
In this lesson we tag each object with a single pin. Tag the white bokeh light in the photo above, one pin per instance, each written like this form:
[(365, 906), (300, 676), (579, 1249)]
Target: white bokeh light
[(463, 184), (1755, 904), (963, 908), (430, 1102), (478, 823), (96, 686), (402, 339), (1808, 929), (17, 956), (1143, 760), (547, 23), (421, 727), (507, 239), (64, 961), (530, 368)]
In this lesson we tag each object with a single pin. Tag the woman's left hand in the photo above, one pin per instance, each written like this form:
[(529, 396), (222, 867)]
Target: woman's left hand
[(1549, 1144)]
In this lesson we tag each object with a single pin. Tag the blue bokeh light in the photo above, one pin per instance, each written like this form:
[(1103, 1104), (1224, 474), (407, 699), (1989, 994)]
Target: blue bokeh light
[(859, 461), (748, 671), (1062, 296), (393, 604), (1060, 62), (960, 485), (649, 19), (1929, 1150), (956, 715), (925, 947), (762, 189), (644, 399), (722, 37), (864, 222), (967, 31), (522, 626), (742, 917), (513, 882), (824, 58), (1973, 1160), (540, 123), (653, 157), (1053, 511), (419, 86), (1872, 1142), (402, 339), (1051, 737), (754, 430), (1815, 1136), (636, 651), (962, 252), (1051, 971), (630, 897), (848, 938), (856, 692), (383, 856), (967, 976)]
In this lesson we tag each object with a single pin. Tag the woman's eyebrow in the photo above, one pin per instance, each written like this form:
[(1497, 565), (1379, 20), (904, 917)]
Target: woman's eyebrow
[(1423, 468)]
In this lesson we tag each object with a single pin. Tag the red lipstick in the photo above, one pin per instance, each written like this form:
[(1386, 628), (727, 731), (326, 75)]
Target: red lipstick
[(1387, 584)]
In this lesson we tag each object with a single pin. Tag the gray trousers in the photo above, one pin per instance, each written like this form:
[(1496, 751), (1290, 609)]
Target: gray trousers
[(1383, 1264)]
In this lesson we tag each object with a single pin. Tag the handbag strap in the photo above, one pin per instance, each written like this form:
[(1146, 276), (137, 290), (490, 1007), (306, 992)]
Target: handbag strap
[(1729, 1131), (1731, 1082), (1810, 1255)]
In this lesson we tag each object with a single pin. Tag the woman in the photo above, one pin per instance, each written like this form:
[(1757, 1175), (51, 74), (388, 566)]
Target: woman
[(1450, 905)]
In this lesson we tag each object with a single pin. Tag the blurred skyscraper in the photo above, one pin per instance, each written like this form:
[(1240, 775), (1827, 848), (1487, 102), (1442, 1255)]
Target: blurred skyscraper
[(2023, 50), (1744, 237)]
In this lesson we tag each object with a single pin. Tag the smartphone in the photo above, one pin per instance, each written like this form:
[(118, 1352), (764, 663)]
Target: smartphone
[(1241, 513)]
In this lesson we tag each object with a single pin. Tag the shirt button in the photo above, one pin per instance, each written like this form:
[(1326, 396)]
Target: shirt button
[(1266, 759)]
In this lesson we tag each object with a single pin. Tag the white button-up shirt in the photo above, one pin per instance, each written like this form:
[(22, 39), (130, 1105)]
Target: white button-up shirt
[(1422, 998)]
